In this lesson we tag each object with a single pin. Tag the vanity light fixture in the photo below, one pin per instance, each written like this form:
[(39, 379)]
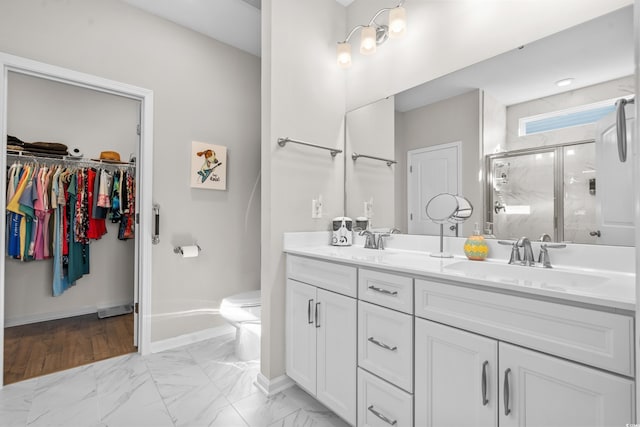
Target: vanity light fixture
[(564, 82), (374, 34)]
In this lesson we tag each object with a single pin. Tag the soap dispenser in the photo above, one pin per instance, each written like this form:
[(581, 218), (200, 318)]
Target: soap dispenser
[(476, 248)]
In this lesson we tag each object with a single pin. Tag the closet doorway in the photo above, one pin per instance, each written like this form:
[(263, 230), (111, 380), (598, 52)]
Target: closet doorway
[(46, 333)]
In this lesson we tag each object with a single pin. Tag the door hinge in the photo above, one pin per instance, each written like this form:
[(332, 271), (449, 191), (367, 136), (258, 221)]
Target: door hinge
[(137, 218), (136, 308), (411, 217), (138, 129), (410, 169)]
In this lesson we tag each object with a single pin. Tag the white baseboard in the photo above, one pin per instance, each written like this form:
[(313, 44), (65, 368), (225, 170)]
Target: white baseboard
[(181, 340), (44, 317), (272, 386)]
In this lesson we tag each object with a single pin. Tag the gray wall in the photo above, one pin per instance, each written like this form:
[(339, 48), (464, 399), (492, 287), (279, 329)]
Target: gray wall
[(43, 110), (370, 131), (303, 97), (203, 91), (454, 119)]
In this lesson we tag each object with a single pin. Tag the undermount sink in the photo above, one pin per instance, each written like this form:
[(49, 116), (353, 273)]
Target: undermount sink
[(514, 273)]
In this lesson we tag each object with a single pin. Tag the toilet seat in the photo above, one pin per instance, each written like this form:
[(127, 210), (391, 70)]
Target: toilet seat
[(240, 308), (245, 299)]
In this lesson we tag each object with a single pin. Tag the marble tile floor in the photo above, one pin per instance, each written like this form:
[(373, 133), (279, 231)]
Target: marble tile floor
[(202, 384)]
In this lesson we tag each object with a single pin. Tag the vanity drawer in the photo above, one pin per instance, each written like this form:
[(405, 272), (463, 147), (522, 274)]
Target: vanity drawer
[(326, 275), (385, 344), (593, 337), (386, 289), (381, 404)]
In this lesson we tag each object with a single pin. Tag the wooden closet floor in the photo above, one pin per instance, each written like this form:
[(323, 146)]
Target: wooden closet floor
[(45, 347)]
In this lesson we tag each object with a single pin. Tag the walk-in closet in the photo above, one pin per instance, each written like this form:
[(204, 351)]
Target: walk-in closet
[(56, 314)]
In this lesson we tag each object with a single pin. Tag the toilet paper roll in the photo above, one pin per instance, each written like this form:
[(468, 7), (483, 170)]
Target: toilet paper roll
[(189, 251)]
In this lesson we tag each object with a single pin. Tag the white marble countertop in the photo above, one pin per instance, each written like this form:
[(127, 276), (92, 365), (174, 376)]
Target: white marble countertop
[(604, 288)]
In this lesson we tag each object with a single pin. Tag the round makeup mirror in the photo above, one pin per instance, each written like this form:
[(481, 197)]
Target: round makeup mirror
[(447, 208)]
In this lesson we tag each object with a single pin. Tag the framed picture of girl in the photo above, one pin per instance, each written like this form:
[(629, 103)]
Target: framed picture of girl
[(208, 166)]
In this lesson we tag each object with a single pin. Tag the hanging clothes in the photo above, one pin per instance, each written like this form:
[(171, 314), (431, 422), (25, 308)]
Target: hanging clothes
[(78, 251), (97, 227), (126, 230), (53, 212)]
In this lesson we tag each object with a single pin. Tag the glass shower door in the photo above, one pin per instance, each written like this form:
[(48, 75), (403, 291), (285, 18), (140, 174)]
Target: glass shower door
[(523, 188)]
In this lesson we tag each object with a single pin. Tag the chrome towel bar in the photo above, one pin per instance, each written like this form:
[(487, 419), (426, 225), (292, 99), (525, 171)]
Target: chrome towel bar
[(355, 156), (283, 141)]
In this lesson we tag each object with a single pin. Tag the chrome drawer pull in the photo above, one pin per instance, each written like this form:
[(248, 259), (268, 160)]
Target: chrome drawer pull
[(485, 401), (382, 417), (381, 344), (507, 410), (383, 291), (309, 318)]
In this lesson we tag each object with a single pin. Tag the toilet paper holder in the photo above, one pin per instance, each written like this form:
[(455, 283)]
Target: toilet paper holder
[(178, 249)]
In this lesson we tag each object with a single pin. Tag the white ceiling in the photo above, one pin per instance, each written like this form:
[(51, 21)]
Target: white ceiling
[(593, 52), (234, 22)]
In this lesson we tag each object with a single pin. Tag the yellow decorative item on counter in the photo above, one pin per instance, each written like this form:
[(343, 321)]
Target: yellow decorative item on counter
[(476, 248)]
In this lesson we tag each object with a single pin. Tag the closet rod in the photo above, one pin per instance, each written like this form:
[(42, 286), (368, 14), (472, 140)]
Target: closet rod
[(67, 160), (354, 156), (283, 141)]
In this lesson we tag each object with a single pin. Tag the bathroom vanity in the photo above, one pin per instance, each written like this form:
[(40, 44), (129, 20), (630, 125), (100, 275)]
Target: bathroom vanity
[(396, 337)]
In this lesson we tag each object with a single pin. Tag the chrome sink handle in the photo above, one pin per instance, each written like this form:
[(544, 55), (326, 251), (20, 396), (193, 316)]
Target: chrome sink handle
[(515, 252), (381, 237), (543, 257)]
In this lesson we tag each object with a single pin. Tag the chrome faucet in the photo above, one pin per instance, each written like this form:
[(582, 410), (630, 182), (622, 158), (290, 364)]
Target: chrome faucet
[(376, 240), (370, 239), (527, 253)]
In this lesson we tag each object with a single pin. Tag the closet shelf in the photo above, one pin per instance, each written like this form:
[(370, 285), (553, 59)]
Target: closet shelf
[(69, 160)]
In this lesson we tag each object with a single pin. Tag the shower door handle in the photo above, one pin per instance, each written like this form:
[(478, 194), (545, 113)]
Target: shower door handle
[(621, 127)]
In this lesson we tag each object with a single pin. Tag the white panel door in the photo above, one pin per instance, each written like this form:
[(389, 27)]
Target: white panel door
[(431, 171), (337, 356), (300, 333), (614, 183), (455, 377), (540, 390)]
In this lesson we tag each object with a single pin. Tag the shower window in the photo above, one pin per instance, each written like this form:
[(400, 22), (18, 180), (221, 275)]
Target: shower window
[(546, 191)]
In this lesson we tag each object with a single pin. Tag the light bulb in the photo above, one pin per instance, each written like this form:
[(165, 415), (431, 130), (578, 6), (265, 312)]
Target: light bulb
[(397, 22), (368, 41), (344, 55)]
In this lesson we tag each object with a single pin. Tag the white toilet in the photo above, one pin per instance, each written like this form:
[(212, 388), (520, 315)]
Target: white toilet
[(242, 311)]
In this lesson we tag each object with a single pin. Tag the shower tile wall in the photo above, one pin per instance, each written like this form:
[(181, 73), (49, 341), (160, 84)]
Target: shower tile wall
[(526, 189)]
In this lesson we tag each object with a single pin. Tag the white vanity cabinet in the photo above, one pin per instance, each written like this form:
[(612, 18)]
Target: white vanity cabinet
[(321, 332), (465, 379), (426, 351), (456, 377), (540, 390), (385, 349)]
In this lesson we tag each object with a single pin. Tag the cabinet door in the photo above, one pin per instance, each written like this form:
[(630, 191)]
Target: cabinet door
[(337, 357), (456, 377), (541, 390), (301, 334)]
